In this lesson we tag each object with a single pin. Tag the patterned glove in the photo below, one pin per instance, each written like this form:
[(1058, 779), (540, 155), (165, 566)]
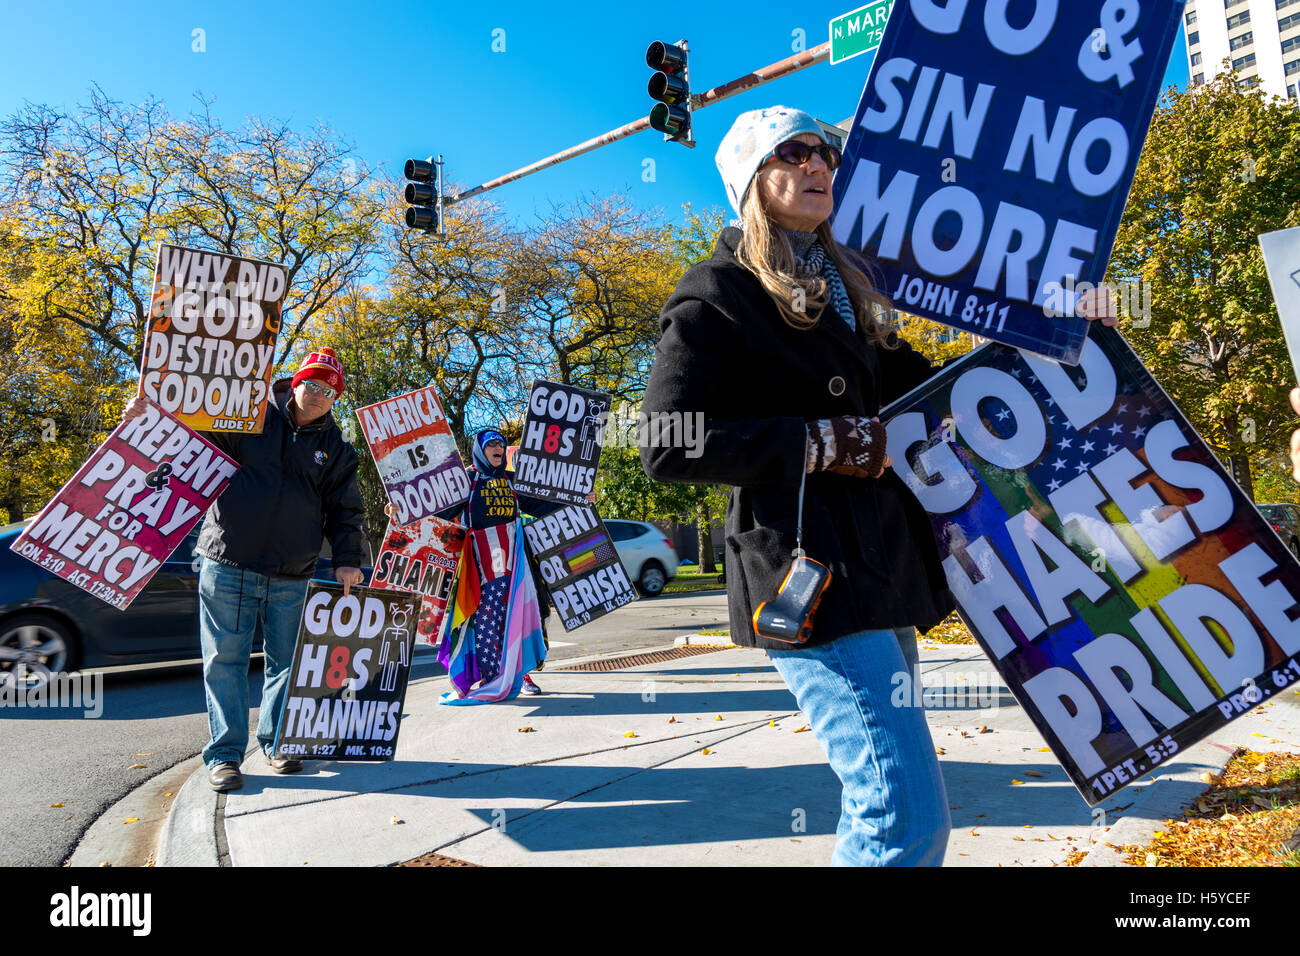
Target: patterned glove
[(848, 445)]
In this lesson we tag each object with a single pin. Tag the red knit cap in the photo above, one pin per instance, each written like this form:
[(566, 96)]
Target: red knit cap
[(325, 367)]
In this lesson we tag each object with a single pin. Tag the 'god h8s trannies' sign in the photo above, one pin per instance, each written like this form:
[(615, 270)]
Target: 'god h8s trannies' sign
[(560, 450), (1129, 593), (349, 674), (992, 154)]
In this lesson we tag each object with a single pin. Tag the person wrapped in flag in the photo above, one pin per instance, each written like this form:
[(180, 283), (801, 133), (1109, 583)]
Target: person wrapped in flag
[(493, 635)]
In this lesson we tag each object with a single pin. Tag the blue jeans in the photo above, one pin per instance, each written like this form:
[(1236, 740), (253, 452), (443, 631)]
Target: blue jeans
[(894, 809), (234, 605)]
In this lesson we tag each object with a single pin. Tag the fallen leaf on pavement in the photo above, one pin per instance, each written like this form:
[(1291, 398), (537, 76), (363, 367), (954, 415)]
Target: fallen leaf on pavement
[(719, 717), (167, 794), (149, 754), (629, 734), (939, 751), (527, 730), (802, 729), (130, 819), (1017, 783), (706, 751), (56, 805), (137, 766), (1032, 773), (983, 729), (1044, 750), (394, 821), (672, 720)]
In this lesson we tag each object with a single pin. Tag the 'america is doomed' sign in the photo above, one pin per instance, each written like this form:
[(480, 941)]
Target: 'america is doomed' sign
[(1129, 593)]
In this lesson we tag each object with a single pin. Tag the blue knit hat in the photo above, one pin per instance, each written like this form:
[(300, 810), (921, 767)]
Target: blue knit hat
[(751, 139)]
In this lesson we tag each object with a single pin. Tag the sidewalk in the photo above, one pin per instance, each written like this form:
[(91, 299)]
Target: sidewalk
[(717, 774)]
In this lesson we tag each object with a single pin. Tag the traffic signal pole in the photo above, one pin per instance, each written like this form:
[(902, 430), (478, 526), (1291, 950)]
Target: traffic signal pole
[(749, 81)]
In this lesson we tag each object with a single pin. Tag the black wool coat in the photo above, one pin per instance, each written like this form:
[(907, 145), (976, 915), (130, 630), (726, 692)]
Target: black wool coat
[(726, 351)]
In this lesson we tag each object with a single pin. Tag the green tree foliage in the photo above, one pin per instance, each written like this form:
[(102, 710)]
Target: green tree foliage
[(1221, 165)]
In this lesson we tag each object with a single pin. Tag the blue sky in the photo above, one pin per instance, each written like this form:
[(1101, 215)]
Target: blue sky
[(406, 79)]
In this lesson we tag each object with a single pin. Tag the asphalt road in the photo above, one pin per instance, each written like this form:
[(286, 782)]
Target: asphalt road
[(152, 717)]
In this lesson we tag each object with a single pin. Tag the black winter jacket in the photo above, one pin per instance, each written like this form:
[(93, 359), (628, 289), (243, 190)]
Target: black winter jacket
[(295, 487), (726, 351)]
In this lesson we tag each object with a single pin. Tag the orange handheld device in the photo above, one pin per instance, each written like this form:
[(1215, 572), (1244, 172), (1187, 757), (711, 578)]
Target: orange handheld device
[(788, 616)]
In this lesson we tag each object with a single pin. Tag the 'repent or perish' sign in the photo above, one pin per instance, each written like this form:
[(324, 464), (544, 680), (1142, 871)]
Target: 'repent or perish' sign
[(991, 157), (1129, 593)]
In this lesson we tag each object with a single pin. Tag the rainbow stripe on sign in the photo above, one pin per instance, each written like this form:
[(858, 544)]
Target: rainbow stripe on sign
[(583, 555)]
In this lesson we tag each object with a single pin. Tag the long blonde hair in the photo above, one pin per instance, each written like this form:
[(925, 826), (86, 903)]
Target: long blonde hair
[(765, 251)]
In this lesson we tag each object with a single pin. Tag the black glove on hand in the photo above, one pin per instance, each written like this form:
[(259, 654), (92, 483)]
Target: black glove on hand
[(848, 445)]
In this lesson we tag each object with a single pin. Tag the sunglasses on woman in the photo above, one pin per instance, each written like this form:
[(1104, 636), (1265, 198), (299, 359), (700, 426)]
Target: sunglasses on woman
[(796, 153), (317, 389)]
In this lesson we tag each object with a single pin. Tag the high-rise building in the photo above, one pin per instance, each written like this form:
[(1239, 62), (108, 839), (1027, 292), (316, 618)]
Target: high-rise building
[(1261, 39)]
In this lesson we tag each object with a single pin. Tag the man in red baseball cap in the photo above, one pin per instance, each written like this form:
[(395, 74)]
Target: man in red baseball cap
[(297, 484)]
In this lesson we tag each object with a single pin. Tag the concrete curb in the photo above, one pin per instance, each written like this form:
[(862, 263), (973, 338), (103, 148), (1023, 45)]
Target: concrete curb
[(189, 837), (107, 842)]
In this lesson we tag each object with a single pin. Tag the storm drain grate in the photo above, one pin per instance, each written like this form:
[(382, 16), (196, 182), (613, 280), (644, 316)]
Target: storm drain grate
[(636, 660), (435, 859)]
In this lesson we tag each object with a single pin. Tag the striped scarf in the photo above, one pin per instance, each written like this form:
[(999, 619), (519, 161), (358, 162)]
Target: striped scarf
[(815, 262)]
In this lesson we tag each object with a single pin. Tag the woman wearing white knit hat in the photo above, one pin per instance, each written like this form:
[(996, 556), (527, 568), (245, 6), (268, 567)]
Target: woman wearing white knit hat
[(780, 340)]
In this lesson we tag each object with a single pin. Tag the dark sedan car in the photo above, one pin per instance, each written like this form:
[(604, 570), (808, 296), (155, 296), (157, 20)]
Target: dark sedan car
[(44, 620), (1285, 520)]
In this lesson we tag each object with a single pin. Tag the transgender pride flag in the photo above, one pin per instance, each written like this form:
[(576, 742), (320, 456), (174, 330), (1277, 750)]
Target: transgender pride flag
[(522, 646)]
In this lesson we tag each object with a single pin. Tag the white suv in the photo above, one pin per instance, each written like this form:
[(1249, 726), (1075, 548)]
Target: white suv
[(646, 553)]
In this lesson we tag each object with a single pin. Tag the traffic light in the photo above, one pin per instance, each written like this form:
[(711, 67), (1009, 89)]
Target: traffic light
[(671, 86), (424, 195)]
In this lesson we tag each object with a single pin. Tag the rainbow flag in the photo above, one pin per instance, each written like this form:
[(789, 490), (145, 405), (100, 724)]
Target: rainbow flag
[(456, 648), (582, 555)]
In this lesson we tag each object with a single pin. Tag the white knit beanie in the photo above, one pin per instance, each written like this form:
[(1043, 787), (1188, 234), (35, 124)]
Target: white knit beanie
[(749, 141)]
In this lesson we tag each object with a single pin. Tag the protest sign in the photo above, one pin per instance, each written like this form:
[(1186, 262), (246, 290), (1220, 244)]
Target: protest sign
[(415, 453), (560, 449), (1128, 592), (1282, 260), (349, 674), (210, 343), (128, 507), (991, 156), (421, 557), (579, 564)]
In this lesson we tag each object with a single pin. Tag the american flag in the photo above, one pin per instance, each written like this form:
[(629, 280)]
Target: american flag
[(1069, 453), (489, 626), (494, 550)]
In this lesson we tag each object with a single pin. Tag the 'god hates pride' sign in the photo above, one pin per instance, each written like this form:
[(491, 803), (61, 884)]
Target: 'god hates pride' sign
[(560, 450), (128, 507), (210, 344), (416, 454), (1129, 593), (992, 154)]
